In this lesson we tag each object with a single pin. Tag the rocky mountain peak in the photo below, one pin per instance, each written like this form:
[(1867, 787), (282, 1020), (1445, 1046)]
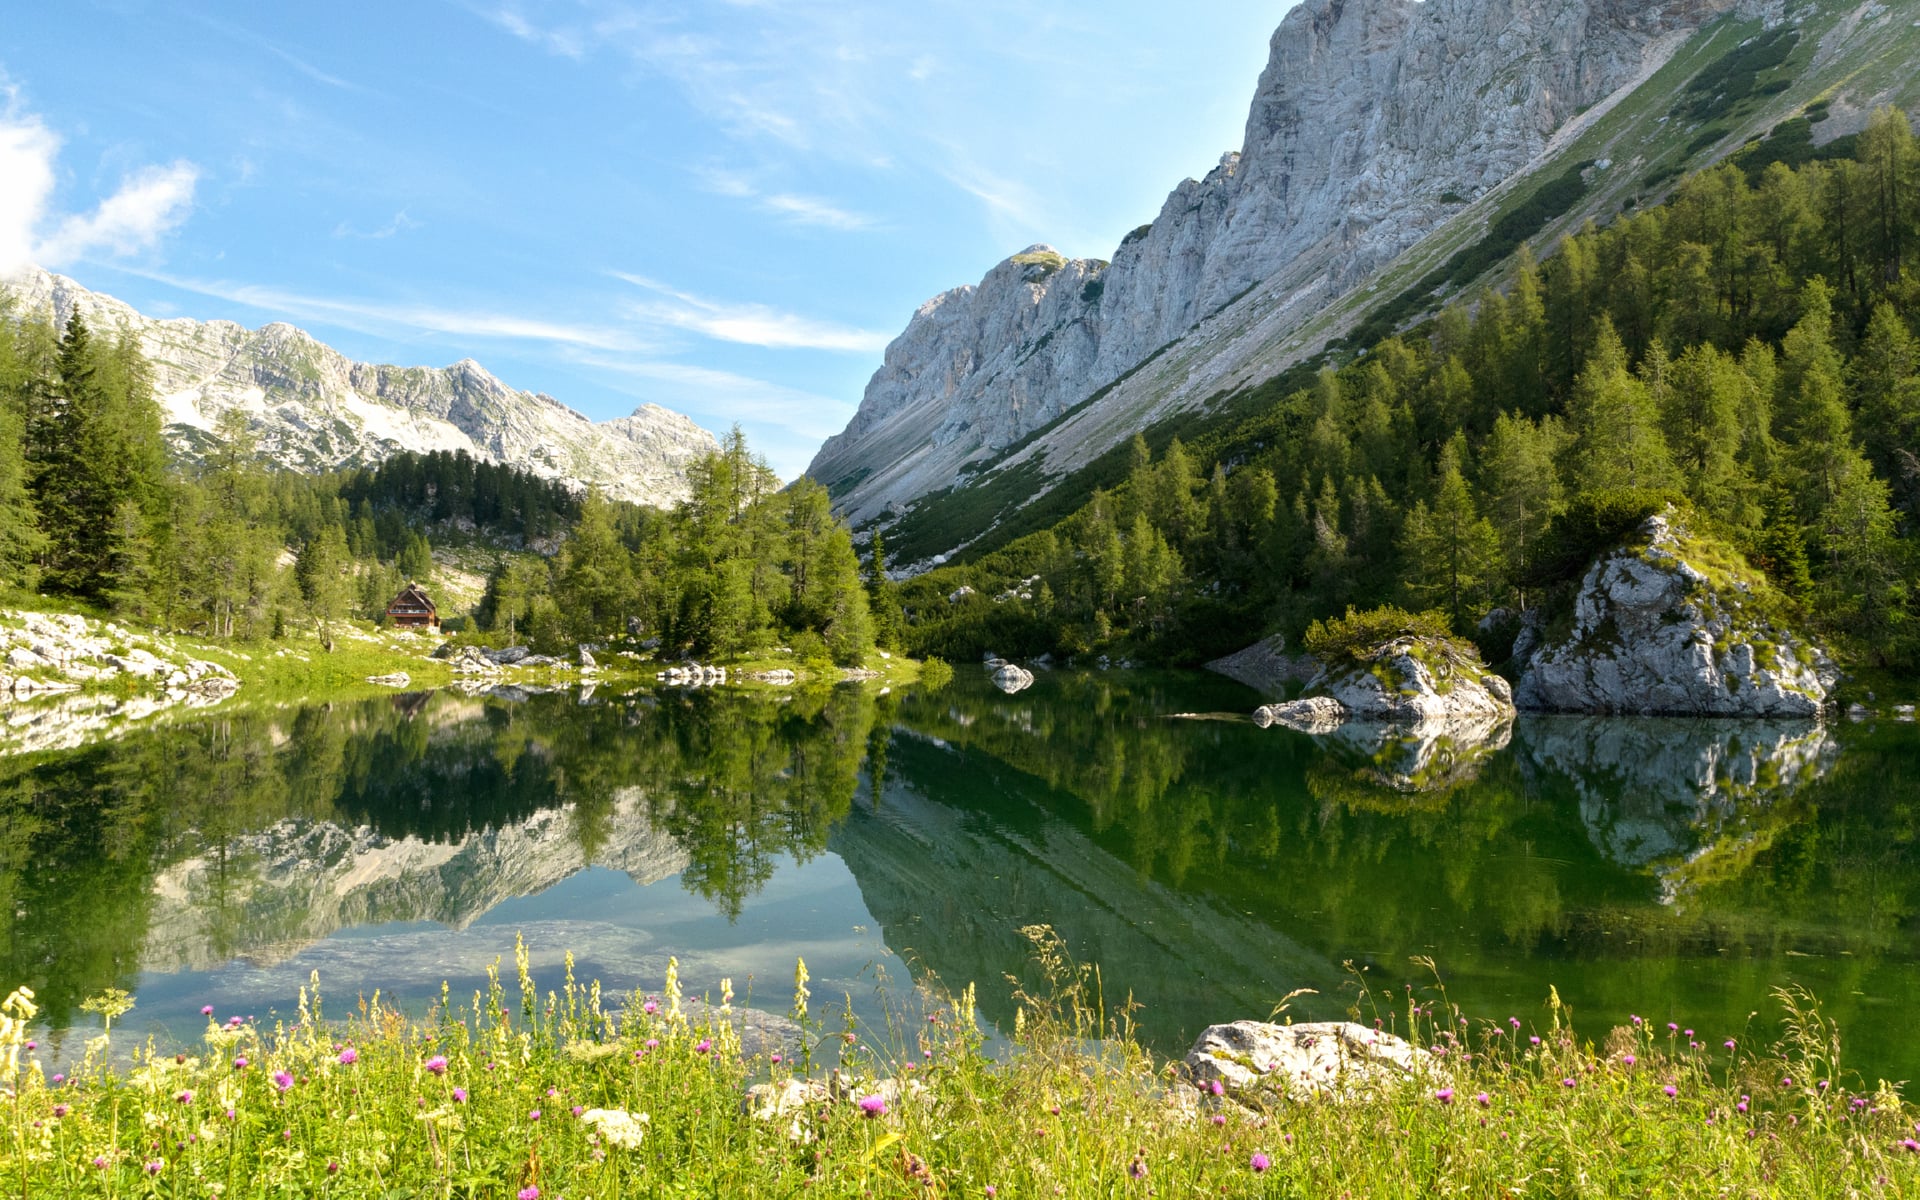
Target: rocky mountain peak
[(1373, 123), (313, 409)]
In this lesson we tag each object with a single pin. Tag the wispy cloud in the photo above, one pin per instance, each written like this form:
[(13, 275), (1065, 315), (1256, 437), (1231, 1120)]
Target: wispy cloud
[(400, 223), (150, 203), (746, 324), (793, 207), (388, 319)]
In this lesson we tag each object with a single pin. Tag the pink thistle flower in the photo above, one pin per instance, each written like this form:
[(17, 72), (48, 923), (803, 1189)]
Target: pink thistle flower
[(349, 1056), (100, 1161), (282, 1080), (704, 1046), (650, 1008), (1483, 1100), (185, 1097), (776, 1060), (1671, 1091), (1568, 1082), (1137, 1168), (459, 1095), (1259, 1162), (528, 1193), (1217, 1088), (60, 1110), (1444, 1095), (534, 1115), (1628, 1059), (240, 1064), (437, 1064), (1219, 1119), (206, 1010), (873, 1106)]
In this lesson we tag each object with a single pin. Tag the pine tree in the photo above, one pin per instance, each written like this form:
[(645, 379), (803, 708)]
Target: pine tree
[(1615, 424), (1520, 487), (1452, 552)]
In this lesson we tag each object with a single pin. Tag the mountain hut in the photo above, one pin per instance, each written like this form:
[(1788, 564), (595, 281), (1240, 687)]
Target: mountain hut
[(413, 609)]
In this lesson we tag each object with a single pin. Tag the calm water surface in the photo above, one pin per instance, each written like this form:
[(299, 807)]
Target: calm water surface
[(1678, 870)]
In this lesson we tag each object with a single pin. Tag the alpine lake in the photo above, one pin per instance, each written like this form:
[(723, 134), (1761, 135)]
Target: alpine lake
[(1676, 870)]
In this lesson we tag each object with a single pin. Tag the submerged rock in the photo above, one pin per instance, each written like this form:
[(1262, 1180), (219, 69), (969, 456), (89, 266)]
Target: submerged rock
[(1323, 1060), (1665, 626), (1315, 714)]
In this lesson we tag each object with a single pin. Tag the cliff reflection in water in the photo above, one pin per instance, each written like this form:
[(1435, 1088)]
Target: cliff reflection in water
[(1208, 867)]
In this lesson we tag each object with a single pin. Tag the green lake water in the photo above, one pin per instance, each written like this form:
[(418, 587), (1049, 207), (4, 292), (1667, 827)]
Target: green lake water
[(1672, 869)]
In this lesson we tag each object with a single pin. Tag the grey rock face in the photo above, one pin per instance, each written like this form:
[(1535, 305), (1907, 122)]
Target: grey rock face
[(1371, 122), (1265, 666), (1413, 679), (1324, 1060), (1653, 633), (313, 409)]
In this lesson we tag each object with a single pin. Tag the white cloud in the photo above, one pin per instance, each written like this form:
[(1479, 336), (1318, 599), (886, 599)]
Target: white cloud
[(748, 324), (27, 151), (808, 210), (400, 223), (793, 207), (150, 203)]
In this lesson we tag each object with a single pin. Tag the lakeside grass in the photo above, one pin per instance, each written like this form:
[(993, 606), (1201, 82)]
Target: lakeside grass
[(564, 1094)]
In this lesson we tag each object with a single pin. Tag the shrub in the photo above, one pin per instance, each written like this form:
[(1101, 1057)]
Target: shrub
[(1356, 633), (935, 674)]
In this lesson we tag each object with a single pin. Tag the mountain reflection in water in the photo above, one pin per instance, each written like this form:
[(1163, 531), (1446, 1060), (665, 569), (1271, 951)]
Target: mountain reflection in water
[(1669, 868)]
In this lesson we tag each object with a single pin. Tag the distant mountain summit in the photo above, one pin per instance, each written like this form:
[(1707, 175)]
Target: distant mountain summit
[(313, 409)]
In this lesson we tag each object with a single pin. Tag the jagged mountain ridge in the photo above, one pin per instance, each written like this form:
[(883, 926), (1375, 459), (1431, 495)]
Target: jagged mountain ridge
[(313, 409), (1384, 135)]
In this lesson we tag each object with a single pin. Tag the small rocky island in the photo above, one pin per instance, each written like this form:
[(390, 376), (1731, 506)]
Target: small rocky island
[(1392, 667)]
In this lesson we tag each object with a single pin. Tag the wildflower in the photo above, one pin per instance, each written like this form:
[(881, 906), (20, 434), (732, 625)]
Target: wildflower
[(653, 1043), (1217, 1088), (992, 1191), (650, 1008), (59, 1110), (1689, 1033), (776, 1060), (1138, 1168), (282, 1080), (1444, 1095), (349, 1056), (1219, 1119), (437, 1064), (533, 1115), (1910, 1146), (874, 1106), (154, 1166), (1672, 1028), (240, 1064), (529, 1193), (1483, 1100), (1533, 1041), (1742, 1106), (1567, 1082), (206, 1010), (1628, 1059), (1259, 1162), (185, 1097), (1671, 1091), (459, 1095), (620, 1127), (100, 1161), (704, 1046), (1636, 1020), (1729, 1045), (1514, 1021), (333, 1168)]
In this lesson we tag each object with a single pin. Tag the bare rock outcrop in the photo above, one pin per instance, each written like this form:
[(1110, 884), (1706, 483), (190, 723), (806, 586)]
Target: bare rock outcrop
[(1324, 1060), (1669, 624)]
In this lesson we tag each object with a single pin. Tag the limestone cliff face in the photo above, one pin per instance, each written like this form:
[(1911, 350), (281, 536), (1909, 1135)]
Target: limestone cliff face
[(313, 409), (1374, 121)]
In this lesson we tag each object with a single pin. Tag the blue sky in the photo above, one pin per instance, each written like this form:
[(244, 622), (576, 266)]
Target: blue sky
[(726, 207)]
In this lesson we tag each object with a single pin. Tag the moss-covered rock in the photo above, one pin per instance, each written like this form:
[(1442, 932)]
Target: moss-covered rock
[(1673, 622)]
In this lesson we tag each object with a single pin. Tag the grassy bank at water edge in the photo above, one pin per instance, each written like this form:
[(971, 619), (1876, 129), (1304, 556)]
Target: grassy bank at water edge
[(558, 1095)]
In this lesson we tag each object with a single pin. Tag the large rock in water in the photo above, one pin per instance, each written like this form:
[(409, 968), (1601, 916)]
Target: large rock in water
[(1663, 626), (1414, 679)]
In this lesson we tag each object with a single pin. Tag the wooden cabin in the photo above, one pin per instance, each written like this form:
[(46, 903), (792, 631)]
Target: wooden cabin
[(413, 609)]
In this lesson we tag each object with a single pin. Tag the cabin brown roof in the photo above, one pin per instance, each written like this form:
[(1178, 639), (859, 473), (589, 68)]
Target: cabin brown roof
[(412, 599)]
